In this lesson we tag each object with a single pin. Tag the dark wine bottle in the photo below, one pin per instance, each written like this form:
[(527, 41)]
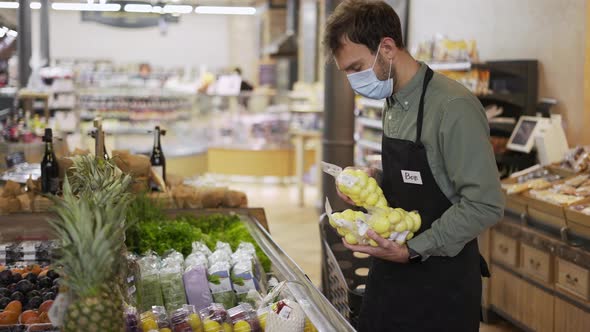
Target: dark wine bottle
[(157, 158), (49, 167)]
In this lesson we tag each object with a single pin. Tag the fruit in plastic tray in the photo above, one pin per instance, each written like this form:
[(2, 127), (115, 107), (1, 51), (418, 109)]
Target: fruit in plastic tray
[(215, 318), (362, 189), (244, 318)]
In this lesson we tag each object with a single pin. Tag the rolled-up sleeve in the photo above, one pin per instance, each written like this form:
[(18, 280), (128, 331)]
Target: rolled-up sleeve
[(471, 167)]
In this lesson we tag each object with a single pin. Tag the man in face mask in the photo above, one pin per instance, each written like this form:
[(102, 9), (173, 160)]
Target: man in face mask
[(437, 160)]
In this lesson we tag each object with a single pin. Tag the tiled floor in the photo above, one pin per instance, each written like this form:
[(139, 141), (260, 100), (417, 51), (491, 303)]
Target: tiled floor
[(296, 230)]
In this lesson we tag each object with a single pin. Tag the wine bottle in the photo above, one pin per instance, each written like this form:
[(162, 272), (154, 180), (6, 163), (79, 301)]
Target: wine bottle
[(157, 158), (49, 167)]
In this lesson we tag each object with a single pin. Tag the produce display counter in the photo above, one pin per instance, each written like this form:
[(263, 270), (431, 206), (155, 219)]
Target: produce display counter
[(539, 255), (317, 308)]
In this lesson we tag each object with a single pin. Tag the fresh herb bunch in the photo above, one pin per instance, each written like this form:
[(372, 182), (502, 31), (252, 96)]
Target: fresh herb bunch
[(151, 229)]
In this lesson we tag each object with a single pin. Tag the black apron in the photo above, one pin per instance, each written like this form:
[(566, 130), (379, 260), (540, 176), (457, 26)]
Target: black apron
[(441, 293)]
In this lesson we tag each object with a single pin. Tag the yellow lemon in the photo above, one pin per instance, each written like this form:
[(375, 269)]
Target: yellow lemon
[(380, 225), (394, 217), (401, 227), (410, 236), (211, 326), (149, 324), (227, 327), (373, 243), (194, 321), (350, 239), (242, 326)]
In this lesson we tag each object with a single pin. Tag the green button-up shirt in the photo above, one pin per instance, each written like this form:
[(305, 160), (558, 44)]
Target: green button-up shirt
[(455, 133)]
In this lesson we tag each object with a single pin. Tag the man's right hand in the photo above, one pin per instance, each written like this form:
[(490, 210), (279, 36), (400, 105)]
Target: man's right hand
[(372, 172)]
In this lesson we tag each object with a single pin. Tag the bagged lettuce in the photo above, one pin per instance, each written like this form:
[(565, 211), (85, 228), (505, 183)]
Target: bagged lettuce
[(220, 284), (171, 280), (201, 247), (150, 288)]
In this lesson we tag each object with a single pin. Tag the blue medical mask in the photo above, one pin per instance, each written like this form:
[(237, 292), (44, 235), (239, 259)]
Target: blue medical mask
[(367, 84)]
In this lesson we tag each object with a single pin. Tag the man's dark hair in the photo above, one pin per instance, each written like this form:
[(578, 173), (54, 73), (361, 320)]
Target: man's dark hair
[(363, 22)]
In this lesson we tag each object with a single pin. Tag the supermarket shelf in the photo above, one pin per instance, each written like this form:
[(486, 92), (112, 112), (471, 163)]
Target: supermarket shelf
[(306, 108), (372, 103), (369, 144), (371, 123), (450, 66)]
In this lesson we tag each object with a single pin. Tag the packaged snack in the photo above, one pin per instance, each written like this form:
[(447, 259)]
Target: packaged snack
[(362, 189), (244, 318), (149, 285), (195, 280), (215, 318), (171, 280), (220, 284)]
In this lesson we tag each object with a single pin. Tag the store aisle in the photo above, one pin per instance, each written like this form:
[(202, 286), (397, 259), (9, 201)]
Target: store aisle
[(295, 228)]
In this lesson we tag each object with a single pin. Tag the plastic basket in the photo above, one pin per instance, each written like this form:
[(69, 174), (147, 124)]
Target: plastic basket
[(344, 275)]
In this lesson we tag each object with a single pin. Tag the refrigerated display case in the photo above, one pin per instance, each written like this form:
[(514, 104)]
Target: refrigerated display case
[(317, 308)]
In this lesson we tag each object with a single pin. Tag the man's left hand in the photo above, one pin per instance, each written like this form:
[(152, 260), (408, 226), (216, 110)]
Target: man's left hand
[(387, 250)]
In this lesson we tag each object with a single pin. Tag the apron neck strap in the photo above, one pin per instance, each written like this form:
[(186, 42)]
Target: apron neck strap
[(427, 78)]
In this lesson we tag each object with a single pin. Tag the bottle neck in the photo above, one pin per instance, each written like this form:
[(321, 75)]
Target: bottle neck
[(48, 147), (157, 139)]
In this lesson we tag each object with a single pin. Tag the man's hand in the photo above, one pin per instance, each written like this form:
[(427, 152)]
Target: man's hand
[(387, 250), (372, 172)]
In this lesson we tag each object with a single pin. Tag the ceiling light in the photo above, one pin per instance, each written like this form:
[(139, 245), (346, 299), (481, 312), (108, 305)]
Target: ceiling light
[(137, 8), (178, 9), (225, 10), (110, 7), (12, 33), (35, 5), (12, 5), (157, 9)]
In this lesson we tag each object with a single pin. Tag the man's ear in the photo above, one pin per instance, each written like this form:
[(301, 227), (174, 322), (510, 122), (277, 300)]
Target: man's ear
[(388, 48)]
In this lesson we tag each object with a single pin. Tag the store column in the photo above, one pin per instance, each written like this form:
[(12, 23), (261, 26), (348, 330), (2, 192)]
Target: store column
[(338, 143), (24, 42), (44, 33)]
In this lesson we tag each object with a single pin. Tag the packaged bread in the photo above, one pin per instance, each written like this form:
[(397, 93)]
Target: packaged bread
[(140, 185), (213, 197), (9, 205), (11, 189), (235, 199), (134, 165), (25, 202)]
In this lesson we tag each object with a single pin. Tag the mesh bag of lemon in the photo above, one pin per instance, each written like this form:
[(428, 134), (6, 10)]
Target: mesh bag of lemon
[(362, 189), (395, 224)]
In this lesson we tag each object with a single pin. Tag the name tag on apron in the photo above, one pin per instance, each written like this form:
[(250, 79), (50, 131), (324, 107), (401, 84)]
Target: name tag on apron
[(411, 177)]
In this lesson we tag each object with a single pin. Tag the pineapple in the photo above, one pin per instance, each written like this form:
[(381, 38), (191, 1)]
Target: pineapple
[(91, 225)]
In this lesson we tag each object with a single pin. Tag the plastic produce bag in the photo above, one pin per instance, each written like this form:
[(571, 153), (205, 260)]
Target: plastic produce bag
[(215, 318), (362, 189), (247, 248), (133, 280), (132, 321), (150, 289), (171, 280), (243, 278), (219, 256), (220, 284), (201, 247), (285, 316), (186, 319), (195, 280), (244, 318), (223, 246), (394, 224)]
